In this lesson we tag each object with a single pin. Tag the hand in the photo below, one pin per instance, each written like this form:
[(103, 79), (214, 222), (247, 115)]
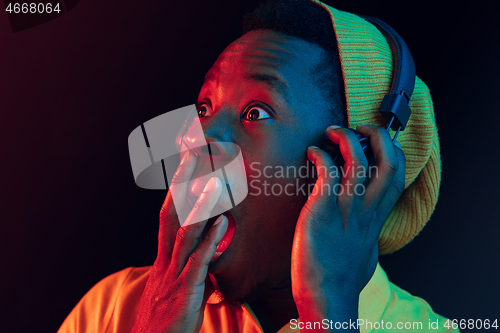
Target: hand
[(335, 247), (178, 287)]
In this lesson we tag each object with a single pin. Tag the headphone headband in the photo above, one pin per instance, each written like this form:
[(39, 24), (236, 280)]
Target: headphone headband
[(395, 105)]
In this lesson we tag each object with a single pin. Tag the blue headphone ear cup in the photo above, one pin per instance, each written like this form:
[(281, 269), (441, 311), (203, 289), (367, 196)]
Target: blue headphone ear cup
[(365, 145), (336, 155)]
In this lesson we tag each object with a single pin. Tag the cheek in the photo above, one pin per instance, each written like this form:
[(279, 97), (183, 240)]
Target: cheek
[(276, 150), (278, 175), (276, 195)]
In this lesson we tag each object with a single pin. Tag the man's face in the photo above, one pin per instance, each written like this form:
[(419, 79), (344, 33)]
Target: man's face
[(260, 95)]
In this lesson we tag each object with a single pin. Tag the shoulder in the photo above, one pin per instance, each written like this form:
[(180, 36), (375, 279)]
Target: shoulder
[(115, 296), (414, 313)]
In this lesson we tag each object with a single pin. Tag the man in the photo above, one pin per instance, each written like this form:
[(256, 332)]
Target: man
[(300, 75)]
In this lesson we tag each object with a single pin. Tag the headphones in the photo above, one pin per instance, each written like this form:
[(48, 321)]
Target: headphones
[(395, 107)]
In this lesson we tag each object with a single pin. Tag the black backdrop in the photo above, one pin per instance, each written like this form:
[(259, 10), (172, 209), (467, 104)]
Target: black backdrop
[(72, 89)]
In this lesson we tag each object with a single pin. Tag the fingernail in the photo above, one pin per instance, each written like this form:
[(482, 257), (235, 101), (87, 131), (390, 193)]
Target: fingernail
[(397, 144), (185, 156), (220, 219), (333, 127), (210, 185), (314, 147), (364, 124)]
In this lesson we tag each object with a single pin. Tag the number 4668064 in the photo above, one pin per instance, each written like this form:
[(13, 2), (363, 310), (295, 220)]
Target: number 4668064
[(32, 8)]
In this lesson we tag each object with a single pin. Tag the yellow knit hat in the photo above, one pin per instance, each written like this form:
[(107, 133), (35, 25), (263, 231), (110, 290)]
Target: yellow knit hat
[(367, 67)]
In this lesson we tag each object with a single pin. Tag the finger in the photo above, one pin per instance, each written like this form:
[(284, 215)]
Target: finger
[(169, 218), (188, 236), (354, 170), (328, 176), (381, 175), (209, 289), (196, 268), (175, 201), (394, 191)]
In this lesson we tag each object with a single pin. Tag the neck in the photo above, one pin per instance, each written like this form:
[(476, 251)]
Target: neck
[(275, 308)]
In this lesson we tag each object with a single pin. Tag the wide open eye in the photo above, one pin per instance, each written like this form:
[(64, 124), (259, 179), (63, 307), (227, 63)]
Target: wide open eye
[(255, 113), (204, 110)]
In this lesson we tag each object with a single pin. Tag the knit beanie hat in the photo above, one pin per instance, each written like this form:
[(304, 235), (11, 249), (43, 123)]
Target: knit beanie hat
[(367, 67)]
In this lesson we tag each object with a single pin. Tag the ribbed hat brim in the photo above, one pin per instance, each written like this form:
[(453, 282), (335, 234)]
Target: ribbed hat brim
[(367, 67)]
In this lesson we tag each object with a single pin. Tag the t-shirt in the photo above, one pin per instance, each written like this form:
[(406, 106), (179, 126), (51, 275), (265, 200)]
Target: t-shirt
[(111, 306)]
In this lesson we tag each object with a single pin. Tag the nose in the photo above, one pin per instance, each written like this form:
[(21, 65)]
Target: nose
[(225, 155), (212, 138), (218, 156)]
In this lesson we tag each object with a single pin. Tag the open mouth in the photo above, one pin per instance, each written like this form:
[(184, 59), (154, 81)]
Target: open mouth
[(226, 239)]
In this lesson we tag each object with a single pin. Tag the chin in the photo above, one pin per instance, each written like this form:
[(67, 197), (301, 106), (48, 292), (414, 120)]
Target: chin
[(239, 292)]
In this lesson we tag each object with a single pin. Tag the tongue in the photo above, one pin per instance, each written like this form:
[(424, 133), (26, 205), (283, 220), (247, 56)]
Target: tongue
[(226, 240)]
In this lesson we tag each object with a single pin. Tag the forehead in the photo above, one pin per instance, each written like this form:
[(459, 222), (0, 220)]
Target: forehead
[(280, 60)]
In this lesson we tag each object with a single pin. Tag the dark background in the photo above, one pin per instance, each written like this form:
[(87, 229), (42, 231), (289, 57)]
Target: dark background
[(72, 89)]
